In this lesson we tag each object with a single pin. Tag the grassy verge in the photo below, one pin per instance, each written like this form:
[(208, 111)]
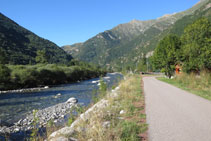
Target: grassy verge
[(123, 119), (196, 84)]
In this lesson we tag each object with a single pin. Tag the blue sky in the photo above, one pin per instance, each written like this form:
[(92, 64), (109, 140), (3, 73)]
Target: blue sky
[(70, 21)]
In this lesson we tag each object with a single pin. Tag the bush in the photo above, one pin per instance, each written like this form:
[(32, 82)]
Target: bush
[(27, 76), (4, 76)]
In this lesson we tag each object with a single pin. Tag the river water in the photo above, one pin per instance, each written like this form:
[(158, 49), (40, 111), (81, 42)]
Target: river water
[(14, 106)]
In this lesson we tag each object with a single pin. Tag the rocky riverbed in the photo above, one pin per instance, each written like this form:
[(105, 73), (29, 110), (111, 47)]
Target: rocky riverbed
[(64, 134), (55, 113), (24, 90)]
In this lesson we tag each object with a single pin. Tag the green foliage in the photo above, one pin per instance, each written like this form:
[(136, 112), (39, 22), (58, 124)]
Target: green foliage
[(34, 134), (50, 123), (167, 54), (142, 65), (28, 76), (75, 112), (95, 97), (3, 58), (181, 24), (41, 57), (21, 45), (130, 131), (197, 46), (70, 120), (102, 89), (98, 94), (103, 86), (121, 54), (194, 51), (132, 125), (80, 109), (4, 76)]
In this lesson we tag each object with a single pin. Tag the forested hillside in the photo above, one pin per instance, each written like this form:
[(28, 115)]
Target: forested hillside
[(191, 50), (21, 45), (127, 44), (147, 48)]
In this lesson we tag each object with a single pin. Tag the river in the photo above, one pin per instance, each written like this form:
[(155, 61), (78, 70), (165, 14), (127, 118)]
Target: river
[(14, 106)]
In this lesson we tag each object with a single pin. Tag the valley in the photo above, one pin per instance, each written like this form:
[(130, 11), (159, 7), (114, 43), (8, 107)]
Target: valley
[(97, 89), (127, 44)]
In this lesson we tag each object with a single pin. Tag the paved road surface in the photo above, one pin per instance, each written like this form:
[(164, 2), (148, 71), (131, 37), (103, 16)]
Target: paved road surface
[(174, 114)]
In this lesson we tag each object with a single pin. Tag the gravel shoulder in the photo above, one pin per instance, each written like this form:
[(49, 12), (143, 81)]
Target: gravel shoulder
[(174, 114)]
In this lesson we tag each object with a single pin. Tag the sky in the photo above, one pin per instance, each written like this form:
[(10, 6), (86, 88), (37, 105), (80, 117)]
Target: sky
[(66, 22)]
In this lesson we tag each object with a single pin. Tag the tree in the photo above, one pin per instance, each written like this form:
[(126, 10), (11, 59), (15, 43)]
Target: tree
[(4, 76), (41, 57), (142, 64), (167, 54), (196, 47), (2, 57)]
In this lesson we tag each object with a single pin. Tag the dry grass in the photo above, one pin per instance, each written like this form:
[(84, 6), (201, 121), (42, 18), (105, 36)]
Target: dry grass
[(197, 84), (109, 124)]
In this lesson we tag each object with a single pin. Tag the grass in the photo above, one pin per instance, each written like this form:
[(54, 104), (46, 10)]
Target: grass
[(196, 84), (109, 124)]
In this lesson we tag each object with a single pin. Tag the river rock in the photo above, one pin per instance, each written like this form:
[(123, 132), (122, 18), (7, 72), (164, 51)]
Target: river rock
[(106, 124), (55, 113), (95, 109), (61, 138), (17, 129), (94, 82), (64, 131), (58, 95), (72, 139), (72, 100), (121, 112)]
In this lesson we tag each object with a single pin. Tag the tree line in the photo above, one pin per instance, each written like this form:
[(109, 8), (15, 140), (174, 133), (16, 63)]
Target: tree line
[(192, 50), (43, 73)]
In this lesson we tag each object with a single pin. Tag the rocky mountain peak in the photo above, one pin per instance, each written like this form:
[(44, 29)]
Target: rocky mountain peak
[(134, 21)]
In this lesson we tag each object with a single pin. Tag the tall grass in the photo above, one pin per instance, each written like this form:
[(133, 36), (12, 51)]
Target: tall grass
[(199, 84), (125, 126), (196, 82)]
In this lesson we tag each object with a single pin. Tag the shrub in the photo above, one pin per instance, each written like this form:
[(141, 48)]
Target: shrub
[(4, 76), (27, 76)]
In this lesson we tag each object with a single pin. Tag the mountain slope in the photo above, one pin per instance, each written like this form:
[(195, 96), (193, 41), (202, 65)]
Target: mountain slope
[(21, 45), (126, 43), (177, 28)]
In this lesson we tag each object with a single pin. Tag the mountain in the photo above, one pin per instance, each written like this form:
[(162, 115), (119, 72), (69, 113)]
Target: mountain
[(145, 44), (21, 45), (127, 43), (72, 49)]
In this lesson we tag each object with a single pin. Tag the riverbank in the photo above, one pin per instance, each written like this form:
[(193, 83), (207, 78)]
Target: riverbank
[(24, 90), (120, 115), (33, 76), (54, 113), (16, 106)]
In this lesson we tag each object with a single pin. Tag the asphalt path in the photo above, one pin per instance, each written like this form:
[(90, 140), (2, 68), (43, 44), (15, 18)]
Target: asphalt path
[(174, 114)]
